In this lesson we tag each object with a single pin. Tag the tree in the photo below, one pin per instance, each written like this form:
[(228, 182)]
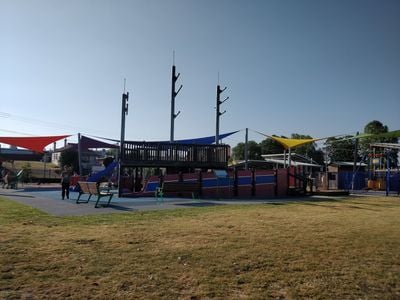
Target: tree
[(112, 152), (70, 157), (254, 151), (308, 150), (340, 149), (270, 146), (107, 161), (376, 127)]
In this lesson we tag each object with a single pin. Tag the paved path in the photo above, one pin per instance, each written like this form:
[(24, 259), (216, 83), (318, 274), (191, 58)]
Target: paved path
[(49, 200)]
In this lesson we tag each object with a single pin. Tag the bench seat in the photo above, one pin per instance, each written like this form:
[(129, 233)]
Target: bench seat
[(92, 188)]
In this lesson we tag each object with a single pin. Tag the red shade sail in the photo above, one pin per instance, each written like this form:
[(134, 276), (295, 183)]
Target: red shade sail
[(34, 143)]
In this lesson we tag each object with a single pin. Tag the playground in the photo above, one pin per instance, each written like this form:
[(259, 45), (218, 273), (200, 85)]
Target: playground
[(146, 169)]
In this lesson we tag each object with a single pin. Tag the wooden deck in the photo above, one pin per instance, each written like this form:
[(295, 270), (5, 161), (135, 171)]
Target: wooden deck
[(160, 154)]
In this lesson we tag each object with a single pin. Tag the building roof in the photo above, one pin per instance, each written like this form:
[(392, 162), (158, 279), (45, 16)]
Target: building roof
[(292, 163), (251, 163), (296, 159), (386, 145), (19, 154), (347, 163), (267, 163)]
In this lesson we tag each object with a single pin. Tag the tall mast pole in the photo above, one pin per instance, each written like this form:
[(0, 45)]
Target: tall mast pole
[(124, 112), (246, 150), (174, 93), (218, 112)]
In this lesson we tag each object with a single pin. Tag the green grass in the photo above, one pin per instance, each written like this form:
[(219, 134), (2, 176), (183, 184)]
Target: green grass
[(323, 250)]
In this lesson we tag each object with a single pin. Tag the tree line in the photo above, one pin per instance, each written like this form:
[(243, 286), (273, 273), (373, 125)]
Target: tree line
[(335, 149)]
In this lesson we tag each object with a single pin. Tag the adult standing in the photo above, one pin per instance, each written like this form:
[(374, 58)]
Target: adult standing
[(65, 182)]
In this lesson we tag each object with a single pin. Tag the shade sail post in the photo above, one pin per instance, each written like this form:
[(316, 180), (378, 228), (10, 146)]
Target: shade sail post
[(246, 150), (80, 155), (284, 158)]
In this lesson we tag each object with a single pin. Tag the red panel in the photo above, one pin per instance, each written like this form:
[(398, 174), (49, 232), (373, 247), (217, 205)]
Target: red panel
[(208, 175), (244, 190), (171, 177), (282, 182), (209, 193), (265, 190), (216, 192), (292, 181), (190, 176), (244, 173), (265, 172)]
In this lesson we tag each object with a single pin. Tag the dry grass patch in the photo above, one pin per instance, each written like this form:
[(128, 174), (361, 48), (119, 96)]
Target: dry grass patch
[(336, 249)]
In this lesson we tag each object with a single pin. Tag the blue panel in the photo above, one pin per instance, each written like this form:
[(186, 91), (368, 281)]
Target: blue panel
[(244, 180), (265, 179), (345, 180), (212, 182), (151, 186), (395, 182), (224, 182)]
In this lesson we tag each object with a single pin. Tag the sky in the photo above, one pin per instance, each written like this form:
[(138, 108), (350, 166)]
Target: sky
[(314, 67)]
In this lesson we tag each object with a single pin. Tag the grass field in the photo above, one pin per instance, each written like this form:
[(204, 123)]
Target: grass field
[(347, 249)]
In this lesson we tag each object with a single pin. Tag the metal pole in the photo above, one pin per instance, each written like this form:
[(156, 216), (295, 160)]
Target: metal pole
[(171, 139), (290, 157), (284, 158), (124, 112), (218, 111), (173, 96), (354, 162), (387, 172), (79, 154), (246, 150), (218, 114), (44, 164)]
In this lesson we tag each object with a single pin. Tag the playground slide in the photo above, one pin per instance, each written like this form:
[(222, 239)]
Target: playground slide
[(107, 172)]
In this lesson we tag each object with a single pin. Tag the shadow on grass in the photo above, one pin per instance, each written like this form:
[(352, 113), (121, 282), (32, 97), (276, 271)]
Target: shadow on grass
[(119, 207), (199, 204), (299, 200), (345, 206), (16, 195), (324, 202), (381, 205)]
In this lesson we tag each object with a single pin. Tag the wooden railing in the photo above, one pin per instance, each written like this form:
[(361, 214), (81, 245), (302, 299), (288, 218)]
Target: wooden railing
[(156, 154)]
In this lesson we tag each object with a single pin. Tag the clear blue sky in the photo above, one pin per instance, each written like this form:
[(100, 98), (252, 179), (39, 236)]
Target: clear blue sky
[(312, 67)]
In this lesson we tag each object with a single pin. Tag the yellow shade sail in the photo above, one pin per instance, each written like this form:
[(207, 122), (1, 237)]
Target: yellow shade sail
[(291, 143)]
